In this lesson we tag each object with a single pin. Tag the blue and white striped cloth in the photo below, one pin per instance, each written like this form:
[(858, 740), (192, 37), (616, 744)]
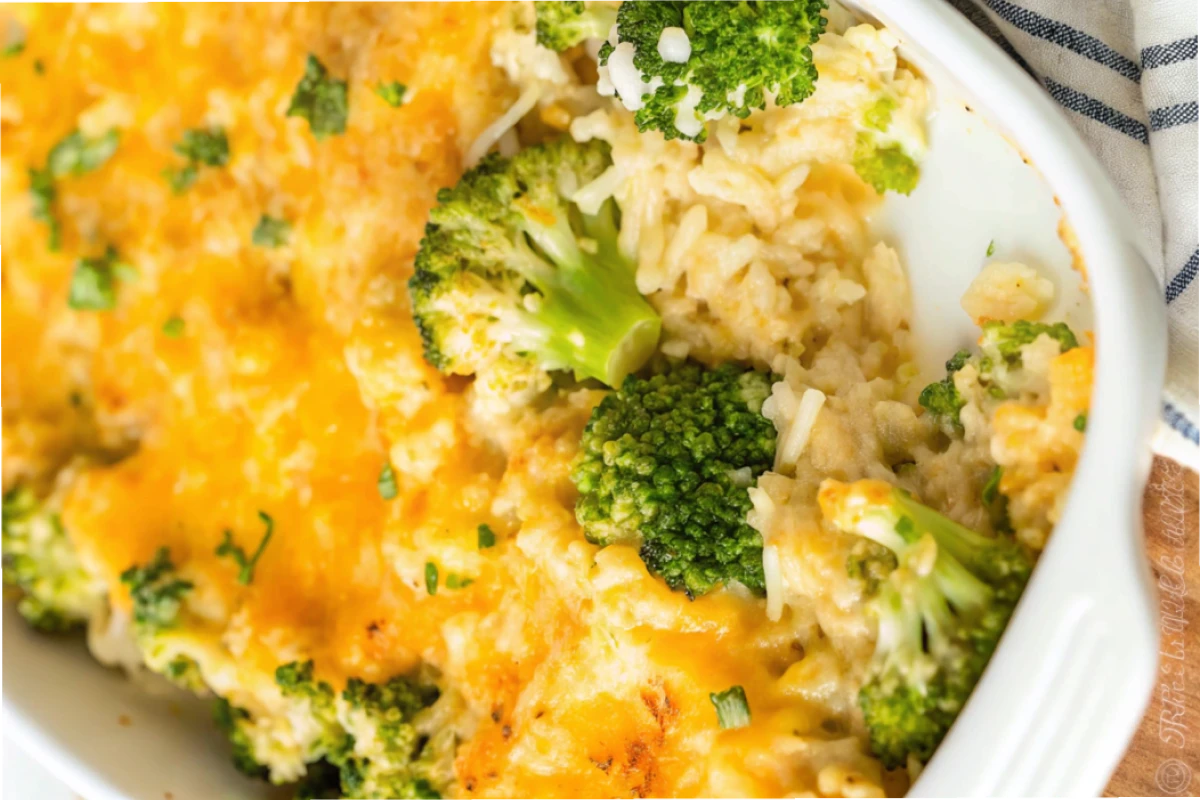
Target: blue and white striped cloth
[(1125, 71)]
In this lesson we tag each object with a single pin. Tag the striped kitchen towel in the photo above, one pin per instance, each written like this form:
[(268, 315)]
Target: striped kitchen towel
[(1125, 73)]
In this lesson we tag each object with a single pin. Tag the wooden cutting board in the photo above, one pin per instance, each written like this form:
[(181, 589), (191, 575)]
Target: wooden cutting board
[(1164, 757)]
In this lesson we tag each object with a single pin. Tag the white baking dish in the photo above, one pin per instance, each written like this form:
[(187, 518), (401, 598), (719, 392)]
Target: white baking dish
[(1067, 686)]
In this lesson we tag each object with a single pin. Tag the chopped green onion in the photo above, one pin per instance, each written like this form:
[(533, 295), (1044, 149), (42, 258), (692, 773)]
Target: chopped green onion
[(991, 251), (1081, 422), (431, 577), (732, 709)]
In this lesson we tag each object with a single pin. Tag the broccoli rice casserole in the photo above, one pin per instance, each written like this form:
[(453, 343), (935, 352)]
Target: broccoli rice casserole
[(511, 400)]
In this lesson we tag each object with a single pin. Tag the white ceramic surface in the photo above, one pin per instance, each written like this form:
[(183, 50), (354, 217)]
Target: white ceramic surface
[(26, 778), (1065, 690)]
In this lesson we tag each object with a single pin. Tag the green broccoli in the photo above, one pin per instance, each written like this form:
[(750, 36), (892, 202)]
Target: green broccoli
[(363, 742), (234, 722), (666, 464), (156, 592), (724, 58), (512, 276), (941, 612), (1005, 340), (942, 399), (870, 564), (879, 158), (997, 366), (562, 25), (57, 593)]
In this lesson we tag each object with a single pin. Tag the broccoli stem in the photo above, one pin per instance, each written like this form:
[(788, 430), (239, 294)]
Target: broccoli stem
[(590, 317), (964, 544), (595, 23)]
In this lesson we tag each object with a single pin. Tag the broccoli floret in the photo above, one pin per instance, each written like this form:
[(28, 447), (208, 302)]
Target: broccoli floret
[(879, 159), (322, 780), (368, 745), (870, 564), (57, 594), (941, 612), (942, 399), (1006, 340), (156, 592), (233, 722), (735, 54), (562, 25), (185, 673), (513, 276), (666, 464), (999, 359)]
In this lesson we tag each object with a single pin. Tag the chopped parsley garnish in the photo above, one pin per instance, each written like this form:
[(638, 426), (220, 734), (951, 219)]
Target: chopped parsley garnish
[(246, 565), (392, 92), (487, 537), (991, 251), (271, 232), (732, 709), (94, 282), (76, 154), (431, 577), (208, 147), (321, 100), (42, 193), (39, 66), (180, 180), (387, 482), (14, 43), (1081, 422), (454, 581), (173, 327)]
